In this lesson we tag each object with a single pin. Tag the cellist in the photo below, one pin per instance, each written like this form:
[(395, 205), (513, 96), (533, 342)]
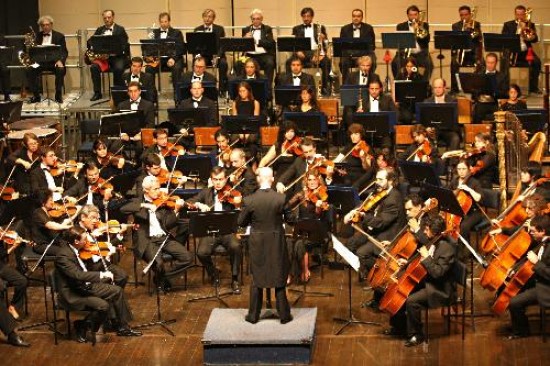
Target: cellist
[(537, 291), (436, 289), (534, 205), (531, 177)]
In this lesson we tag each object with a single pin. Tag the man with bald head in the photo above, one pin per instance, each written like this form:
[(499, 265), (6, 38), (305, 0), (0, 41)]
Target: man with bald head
[(199, 100), (269, 262)]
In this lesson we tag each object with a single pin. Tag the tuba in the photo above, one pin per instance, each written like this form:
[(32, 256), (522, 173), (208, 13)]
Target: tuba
[(527, 33), (30, 41)]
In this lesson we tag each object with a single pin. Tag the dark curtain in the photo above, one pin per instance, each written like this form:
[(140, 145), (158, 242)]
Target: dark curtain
[(17, 15)]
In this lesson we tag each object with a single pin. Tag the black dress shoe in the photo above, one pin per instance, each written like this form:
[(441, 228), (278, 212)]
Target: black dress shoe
[(15, 340), (249, 318), (236, 288), (287, 320), (58, 98), (35, 99), (96, 96), (415, 340), (80, 327), (7, 98), (126, 331), (393, 332)]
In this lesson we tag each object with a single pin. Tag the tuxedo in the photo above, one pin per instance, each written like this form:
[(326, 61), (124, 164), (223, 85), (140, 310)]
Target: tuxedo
[(144, 105), (204, 102), (146, 81), (265, 60), (423, 58), (177, 68), (385, 103), (219, 32), (366, 32), (5, 73), (33, 74), (354, 78), (188, 78), (288, 79)]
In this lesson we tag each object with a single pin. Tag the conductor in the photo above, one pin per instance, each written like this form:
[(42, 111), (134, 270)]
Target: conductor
[(269, 262)]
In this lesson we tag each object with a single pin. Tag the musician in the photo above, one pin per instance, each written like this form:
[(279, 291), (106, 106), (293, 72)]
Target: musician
[(251, 69), (242, 169), (308, 100), (138, 103), (537, 291), (409, 71), (173, 63), (264, 44), (422, 142), (24, 160), (208, 17), (449, 136), (316, 57), (108, 163), (245, 104), (377, 101), (160, 145), (438, 257), (9, 276), (302, 207), (468, 57), (199, 100), (88, 190), (49, 37), (85, 290), (296, 77), (383, 221), (496, 88), (116, 63), (268, 253), (514, 103), (152, 165), (8, 326), (519, 26), (530, 176), (483, 160), (5, 74), (199, 72), (41, 177), (208, 199), (421, 51), (286, 149), (223, 150), (357, 29), (89, 220), (145, 80), (365, 73), (155, 228), (45, 228), (534, 205)]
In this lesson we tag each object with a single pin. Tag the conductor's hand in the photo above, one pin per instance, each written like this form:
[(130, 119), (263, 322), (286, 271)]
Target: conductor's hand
[(280, 187)]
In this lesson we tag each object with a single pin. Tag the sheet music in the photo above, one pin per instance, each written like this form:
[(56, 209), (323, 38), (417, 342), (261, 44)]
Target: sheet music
[(345, 253)]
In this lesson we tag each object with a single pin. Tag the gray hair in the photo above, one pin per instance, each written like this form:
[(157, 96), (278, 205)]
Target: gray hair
[(256, 11), (149, 181), (88, 209), (43, 18)]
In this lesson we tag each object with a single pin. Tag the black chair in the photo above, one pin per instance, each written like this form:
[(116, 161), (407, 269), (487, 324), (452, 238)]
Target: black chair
[(543, 311)]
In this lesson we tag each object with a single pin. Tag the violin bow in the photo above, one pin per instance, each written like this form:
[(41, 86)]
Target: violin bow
[(7, 180), (174, 144), (282, 153), (5, 231)]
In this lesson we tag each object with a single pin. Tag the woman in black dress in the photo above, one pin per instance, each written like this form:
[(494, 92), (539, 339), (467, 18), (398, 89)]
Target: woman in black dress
[(514, 103)]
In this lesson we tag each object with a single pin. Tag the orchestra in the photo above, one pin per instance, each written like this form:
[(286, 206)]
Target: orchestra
[(403, 226)]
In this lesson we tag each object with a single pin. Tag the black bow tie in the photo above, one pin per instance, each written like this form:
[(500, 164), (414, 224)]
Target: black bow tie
[(356, 28), (207, 29), (135, 76), (108, 29), (307, 25), (364, 75), (134, 102), (163, 31), (257, 29), (46, 169), (374, 99), (410, 23), (46, 34), (296, 76)]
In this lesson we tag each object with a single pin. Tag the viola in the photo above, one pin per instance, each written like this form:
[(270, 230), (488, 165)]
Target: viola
[(230, 195), (369, 203), (360, 146), (59, 210), (8, 193), (293, 146), (59, 168), (90, 249), (172, 150), (167, 200)]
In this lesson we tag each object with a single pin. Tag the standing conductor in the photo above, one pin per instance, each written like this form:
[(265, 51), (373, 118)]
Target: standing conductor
[(263, 211)]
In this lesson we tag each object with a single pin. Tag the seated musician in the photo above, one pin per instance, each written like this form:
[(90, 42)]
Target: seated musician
[(115, 63), (383, 219), (308, 100), (408, 72), (251, 70), (534, 205), (160, 147), (424, 149), (153, 168), (310, 203), (199, 73), (285, 150), (145, 80), (49, 37), (85, 290), (24, 159), (537, 290), (155, 228), (136, 102), (438, 257), (42, 178), (5, 76), (199, 100), (532, 182), (264, 45), (376, 101), (214, 199), (96, 233), (245, 105), (242, 175), (365, 73), (223, 150), (497, 88), (449, 136), (513, 103), (46, 226), (296, 77), (108, 163), (359, 159), (175, 63), (357, 29), (11, 277)]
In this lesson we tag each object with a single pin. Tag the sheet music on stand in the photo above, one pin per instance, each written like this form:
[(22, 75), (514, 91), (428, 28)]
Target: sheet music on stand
[(47, 54), (345, 253)]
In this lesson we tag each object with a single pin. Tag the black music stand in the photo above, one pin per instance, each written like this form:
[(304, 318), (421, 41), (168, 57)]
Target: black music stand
[(314, 231), (398, 41), (184, 91), (287, 95), (352, 262), (442, 116), (159, 48), (451, 40), (445, 197), (377, 124), (130, 122), (10, 111), (308, 124), (241, 124), (236, 44), (349, 94), (293, 44), (106, 45), (496, 42), (532, 120), (408, 91), (124, 182), (419, 174), (7, 55), (474, 83), (214, 224), (119, 94), (47, 54), (260, 89), (195, 166), (188, 118), (351, 47), (203, 43)]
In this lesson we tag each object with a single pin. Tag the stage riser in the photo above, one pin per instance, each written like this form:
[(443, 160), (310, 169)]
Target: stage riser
[(258, 354)]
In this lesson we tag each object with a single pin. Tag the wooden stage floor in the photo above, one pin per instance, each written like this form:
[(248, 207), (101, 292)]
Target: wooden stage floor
[(358, 345)]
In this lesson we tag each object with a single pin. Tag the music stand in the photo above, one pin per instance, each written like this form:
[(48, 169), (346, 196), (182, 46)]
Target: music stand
[(308, 124), (496, 42), (236, 44), (7, 55), (213, 224), (343, 199), (408, 91), (120, 94), (532, 120), (260, 89), (474, 83), (159, 48), (377, 124), (124, 182), (241, 124), (419, 174), (287, 95), (188, 117), (203, 43), (293, 44), (210, 91), (353, 262), (443, 116), (349, 94), (445, 197), (10, 111), (398, 40), (351, 47), (195, 166), (451, 40), (130, 122), (106, 45), (47, 54)]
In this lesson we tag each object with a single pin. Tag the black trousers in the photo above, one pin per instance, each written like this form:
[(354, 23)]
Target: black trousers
[(256, 299), (518, 306), (207, 244), (172, 247), (100, 298), (19, 283), (120, 275), (33, 75), (117, 64), (7, 323), (5, 80), (409, 317), (534, 69)]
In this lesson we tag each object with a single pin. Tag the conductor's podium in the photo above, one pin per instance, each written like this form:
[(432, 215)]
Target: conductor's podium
[(229, 339)]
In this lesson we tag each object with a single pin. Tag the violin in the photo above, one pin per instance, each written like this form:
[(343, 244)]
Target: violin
[(172, 150), (175, 177), (113, 160), (293, 146), (101, 185), (101, 249), (112, 227), (166, 200), (59, 210), (12, 238), (360, 146), (59, 168), (314, 195), (230, 195), (8, 193), (369, 203)]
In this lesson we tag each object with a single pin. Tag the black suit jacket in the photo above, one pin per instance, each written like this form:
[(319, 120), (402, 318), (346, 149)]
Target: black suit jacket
[(448, 99), (206, 196), (71, 276), (120, 32), (297, 168), (187, 78), (144, 105), (219, 32), (353, 77), (423, 43), (365, 32), (38, 180), (266, 38), (305, 79), (58, 39), (176, 35), (501, 84), (147, 82), (439, 283), (387, 218), (510, 27), (205, 102), (385, 103), (299, 31), (542, 276)]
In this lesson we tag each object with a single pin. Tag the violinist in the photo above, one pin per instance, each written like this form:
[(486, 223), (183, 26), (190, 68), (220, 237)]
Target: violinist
[(163, 148), (12, 278), (438, 257), (92, 190), (311, 203), (536, 291), (213, 199), (482, 160), (285, 150), (156, 224), (108, 163), (90, 290), (42, 178), (152, 167), (223, 151), (424, 149), (383, 217), (242, 170), (24, 160), (45, 227), (89, 220), (358, 158)]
